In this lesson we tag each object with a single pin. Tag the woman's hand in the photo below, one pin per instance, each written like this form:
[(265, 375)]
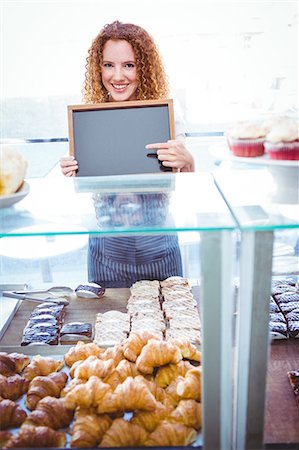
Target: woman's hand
[(173, 153), (68, 166)]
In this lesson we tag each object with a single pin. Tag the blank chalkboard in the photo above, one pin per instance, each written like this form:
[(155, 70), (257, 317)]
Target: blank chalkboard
[(110, 138)]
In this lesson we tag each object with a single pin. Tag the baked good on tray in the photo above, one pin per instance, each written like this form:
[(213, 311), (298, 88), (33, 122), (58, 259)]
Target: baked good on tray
[(284, 309), (72, 332), (282, 140), (155, 389)]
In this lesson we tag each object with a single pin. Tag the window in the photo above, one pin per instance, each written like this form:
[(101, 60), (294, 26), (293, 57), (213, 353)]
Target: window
[(225, 60)]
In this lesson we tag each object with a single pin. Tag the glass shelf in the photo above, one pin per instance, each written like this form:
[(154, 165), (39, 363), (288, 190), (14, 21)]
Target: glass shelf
[(118, 205)]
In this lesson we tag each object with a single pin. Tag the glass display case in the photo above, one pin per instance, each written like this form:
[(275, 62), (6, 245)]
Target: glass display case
[(266, 209), (62, 215)]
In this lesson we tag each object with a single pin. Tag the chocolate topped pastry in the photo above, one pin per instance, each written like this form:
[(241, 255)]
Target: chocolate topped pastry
[(288, 307), (287, 297), (293, 327), (84, 329), (276, 317), (278, 330), (40, 338)]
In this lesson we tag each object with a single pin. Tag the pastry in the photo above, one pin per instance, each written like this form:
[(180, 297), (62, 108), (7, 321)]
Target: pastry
[(11, 414), (50, 412), (11, 363), (43, 386), (13, 387), (157, 353), (75, 331), (42, 365), (169, 434), (12, 170), (81, 351), (89, 428), (133, 394), (124, 434), (31, 437)]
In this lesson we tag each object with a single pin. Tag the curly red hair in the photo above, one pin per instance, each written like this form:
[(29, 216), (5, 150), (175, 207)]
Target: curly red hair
[(151, 77)]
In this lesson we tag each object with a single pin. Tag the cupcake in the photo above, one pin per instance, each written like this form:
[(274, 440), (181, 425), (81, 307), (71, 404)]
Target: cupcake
[(246, 139), (282, 140)]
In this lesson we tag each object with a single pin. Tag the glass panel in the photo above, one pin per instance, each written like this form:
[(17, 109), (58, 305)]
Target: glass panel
[(118, 205)]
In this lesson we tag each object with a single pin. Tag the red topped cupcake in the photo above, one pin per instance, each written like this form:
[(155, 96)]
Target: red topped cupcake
[(246, 139), (282, 140)]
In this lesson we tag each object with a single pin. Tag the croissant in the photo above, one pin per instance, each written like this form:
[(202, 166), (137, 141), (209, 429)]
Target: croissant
[(189, 350), (74, 367), (124, 434), (130, 395), (11, 414), (87, 395), (30, 437), (133, 345), (157, 353), (42, 366), (123, 370), (81, 351), (50, 412), (41, 387), (70, 386), (11, 363), (4, 438), (166, 374), (172, 397), (93, 366), (190, 385), (189, 413), (150, 419), (116, 353), (89, 428), (13, 387), (171, 434)]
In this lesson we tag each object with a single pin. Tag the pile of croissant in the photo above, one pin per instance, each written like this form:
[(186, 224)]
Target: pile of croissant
[(144, 392)]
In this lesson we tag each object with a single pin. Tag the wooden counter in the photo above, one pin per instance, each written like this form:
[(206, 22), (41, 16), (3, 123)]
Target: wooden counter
[(281, 413)]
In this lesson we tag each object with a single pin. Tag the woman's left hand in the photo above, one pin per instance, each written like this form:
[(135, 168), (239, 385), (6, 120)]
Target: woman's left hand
[(174, 153)]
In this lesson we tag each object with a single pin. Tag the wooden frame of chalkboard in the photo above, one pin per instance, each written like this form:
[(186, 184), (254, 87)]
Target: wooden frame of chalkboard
[(110, 138)]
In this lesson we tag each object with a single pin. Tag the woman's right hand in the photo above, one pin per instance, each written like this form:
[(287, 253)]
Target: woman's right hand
[(68, 166)]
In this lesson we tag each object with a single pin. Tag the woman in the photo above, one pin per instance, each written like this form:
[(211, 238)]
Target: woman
[(124, 64)]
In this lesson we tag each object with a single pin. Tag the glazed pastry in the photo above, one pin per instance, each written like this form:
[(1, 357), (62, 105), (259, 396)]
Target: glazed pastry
[(133, 394), (13, 387), (11, 363), (157, 353), (42, 366), (134, 344), (81, 351), (150, 419), (189, 413), (93, 366), (31, 437), (166, 374), (123, 370), (124, 434), (11, 414), (41, 387), (89, 394), (171, 434), (89, 428), (50, 412), (189, 386)]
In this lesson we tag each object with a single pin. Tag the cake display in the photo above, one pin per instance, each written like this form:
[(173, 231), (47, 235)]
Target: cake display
[(246, 139)]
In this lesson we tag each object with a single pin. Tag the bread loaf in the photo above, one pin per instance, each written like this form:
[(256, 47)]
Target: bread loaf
[(12, 170)]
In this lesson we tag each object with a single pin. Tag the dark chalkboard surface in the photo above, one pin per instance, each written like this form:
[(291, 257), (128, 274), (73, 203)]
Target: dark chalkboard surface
[(110, 138)]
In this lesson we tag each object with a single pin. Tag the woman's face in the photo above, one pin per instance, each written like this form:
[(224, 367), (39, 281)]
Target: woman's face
[(119, 73)]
